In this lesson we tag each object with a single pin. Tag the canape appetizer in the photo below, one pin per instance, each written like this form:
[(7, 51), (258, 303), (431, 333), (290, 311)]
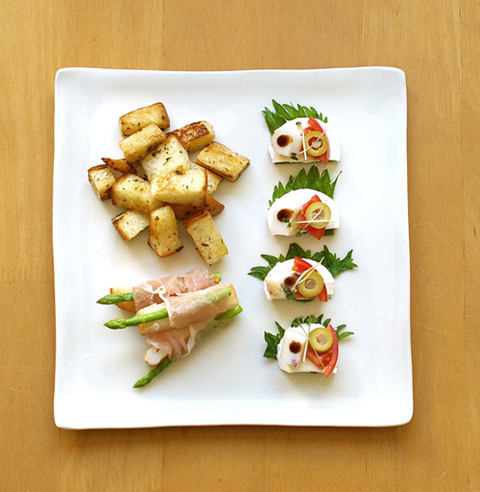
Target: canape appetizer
[(300, 135), (174, 314), (310, 344), (301, 275), (304, 205)]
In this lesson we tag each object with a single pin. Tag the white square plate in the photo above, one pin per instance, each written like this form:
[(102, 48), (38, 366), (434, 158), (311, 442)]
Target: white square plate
[(226, 380)]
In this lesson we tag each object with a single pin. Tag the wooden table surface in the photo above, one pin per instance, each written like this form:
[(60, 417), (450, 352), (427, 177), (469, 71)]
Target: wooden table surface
[(436, 43)]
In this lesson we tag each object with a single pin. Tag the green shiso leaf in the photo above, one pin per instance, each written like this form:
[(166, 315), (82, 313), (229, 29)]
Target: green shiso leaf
[(333, 263), (312, 180), (285, 112)]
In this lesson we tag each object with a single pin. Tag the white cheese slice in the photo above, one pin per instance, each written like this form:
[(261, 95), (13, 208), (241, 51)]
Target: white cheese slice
[(284, 358), (293, 201), (292, 349), (291, 132), (276, 278)]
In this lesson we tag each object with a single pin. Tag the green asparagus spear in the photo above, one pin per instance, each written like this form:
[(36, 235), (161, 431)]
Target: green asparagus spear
[(118, 323), (153, 373), (231, 313), (222, 319), (116, 298), (217, 277), (219, 321)]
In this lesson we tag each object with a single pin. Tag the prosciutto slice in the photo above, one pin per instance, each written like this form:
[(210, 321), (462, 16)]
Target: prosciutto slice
[(189, 308), (176, 343), (179, 342), (152, 291), (198, 305), (191, 315)]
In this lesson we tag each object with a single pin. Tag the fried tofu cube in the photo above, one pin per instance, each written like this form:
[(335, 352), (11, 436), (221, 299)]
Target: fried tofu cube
[(167, 157), (126, 305), (194, 136), (164, 238), (121, 165), (184, 212), (134, 121), (139, 144), (221, 160), (133, 192), (213, 179), (130, 223), (206, 237), (186, 188), (102, 179)]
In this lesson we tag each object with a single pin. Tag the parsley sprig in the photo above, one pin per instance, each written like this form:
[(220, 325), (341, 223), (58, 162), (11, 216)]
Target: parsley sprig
[(283, 112), (334, 264), (312, 180), (273, 340)]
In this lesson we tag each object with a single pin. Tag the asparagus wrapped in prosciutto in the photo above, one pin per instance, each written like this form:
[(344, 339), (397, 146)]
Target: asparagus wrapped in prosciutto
[(174, 313)]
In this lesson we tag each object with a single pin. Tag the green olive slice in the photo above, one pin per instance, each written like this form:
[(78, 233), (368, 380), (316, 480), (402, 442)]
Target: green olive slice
[(320, 339), (317, 143), (310, 285), (318, 215)]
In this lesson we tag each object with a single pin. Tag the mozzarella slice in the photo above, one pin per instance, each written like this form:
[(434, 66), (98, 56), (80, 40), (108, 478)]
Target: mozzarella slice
[(289, 207), (292, 349), (284, 357), (287, 141), (282, 275)]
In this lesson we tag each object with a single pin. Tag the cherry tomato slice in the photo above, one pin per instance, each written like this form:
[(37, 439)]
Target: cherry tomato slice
[(323, 296), (325, 360), (317, 233), (314, 125), (300, 266)]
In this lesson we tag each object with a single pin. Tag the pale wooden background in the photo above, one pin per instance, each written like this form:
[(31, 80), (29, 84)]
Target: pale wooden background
[(436, 43)]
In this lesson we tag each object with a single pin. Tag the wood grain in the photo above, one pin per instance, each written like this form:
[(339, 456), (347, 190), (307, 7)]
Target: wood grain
[(436, 43)]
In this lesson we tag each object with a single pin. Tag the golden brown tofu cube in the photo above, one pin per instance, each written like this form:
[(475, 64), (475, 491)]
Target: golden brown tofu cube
[(206, 237), (184, 212), (132, 191), (221, 160), (138, 145), (167, 157), (102, 179), (195, 136), (121, 165), (187, 188), (130, 223), (213, 179), (134, 121), (164, 238)]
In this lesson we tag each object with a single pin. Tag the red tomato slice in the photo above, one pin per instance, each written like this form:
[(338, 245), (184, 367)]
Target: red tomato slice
[(300, 266), (317, 233), (323, 296), (324, 157), (325, 360), (315, 126)]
